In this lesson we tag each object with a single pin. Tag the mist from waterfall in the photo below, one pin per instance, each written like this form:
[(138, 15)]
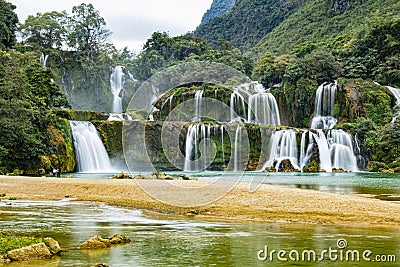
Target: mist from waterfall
[(91, 155)]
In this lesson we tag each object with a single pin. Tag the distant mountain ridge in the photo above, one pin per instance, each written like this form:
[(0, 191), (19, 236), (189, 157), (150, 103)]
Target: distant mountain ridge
[(217, 9)]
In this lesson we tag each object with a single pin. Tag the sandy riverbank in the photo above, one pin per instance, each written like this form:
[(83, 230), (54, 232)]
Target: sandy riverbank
[(269, 203)]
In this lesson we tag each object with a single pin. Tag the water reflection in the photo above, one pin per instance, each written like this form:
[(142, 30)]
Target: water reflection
[(177, 242)]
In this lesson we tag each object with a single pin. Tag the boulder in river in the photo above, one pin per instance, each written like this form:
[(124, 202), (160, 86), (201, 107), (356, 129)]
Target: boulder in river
[(34, 252)]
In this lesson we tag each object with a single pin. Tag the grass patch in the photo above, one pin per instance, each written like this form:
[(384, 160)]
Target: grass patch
[(10, 242)]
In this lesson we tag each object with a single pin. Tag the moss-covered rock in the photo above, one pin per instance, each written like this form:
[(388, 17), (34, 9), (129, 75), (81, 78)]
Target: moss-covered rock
[(82, 115)]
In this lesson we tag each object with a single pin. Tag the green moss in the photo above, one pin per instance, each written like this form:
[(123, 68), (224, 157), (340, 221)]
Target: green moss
[(9, 242), (111, 134)]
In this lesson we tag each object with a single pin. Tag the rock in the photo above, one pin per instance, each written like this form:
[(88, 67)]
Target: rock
[(95, 242), (338, 170), (119, 239), (155, 176), (122, 175), (187, 178), (270, 169), (53, 245), (33, 252), (386, 170), (4, 260), (287, 166), (99, 242)]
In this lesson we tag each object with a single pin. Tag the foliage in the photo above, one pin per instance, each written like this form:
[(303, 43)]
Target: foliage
[(247, 22), (316, 23), (44, 30), (8, 242), (376, 53), (27, 96), (161, 51), (86, 30), (8, 24)]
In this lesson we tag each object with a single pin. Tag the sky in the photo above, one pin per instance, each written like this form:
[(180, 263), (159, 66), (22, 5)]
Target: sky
[(132, 22)]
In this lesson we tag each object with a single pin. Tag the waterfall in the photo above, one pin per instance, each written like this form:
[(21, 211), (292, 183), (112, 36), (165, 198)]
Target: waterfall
[(324, 107), (341, 150), (262, 107), (44, 59), (283, 145), (198, 100), (237, 107), (396, 93), (90, 152), (66, 85), (237, 153), (197, 147), (336, 147), (117, 80)]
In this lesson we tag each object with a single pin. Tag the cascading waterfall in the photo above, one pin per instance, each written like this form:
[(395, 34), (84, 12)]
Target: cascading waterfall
[(198, 101), (44, 59), (237, 153), (283, 145), (324, 107), (66, 85), (341, 150), (336, 148), (237, 107), (197, 147), (262, 107), (396, 93), (117, 81), (90, 152)]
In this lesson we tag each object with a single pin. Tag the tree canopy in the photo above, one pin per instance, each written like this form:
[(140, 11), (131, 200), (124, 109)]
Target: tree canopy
[(8, 24)]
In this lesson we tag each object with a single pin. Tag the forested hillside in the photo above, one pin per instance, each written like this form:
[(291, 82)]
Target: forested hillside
[(329, 23), (247, 22)]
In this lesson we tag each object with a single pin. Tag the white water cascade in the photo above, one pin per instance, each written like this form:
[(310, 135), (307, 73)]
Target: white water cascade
[(341, 150), (197, 148), (90, 152), (237, 152), (44, 59), (283, 145), (117, 81), (324, 107), (335, 146), (237, 107), (262, 107), (198, 101), (396, 93)]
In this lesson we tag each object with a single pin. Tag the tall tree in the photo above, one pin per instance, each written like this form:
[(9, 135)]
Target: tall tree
[(8, 24), (44, 30), (87, 29)]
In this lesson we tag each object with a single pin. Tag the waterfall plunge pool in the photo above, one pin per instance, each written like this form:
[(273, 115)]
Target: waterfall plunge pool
[(161, 241), (385, 186)]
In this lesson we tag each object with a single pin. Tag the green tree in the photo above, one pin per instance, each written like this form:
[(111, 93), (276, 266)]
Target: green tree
[(27, 96), (8, 24), (44, 30), (87, 32)]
